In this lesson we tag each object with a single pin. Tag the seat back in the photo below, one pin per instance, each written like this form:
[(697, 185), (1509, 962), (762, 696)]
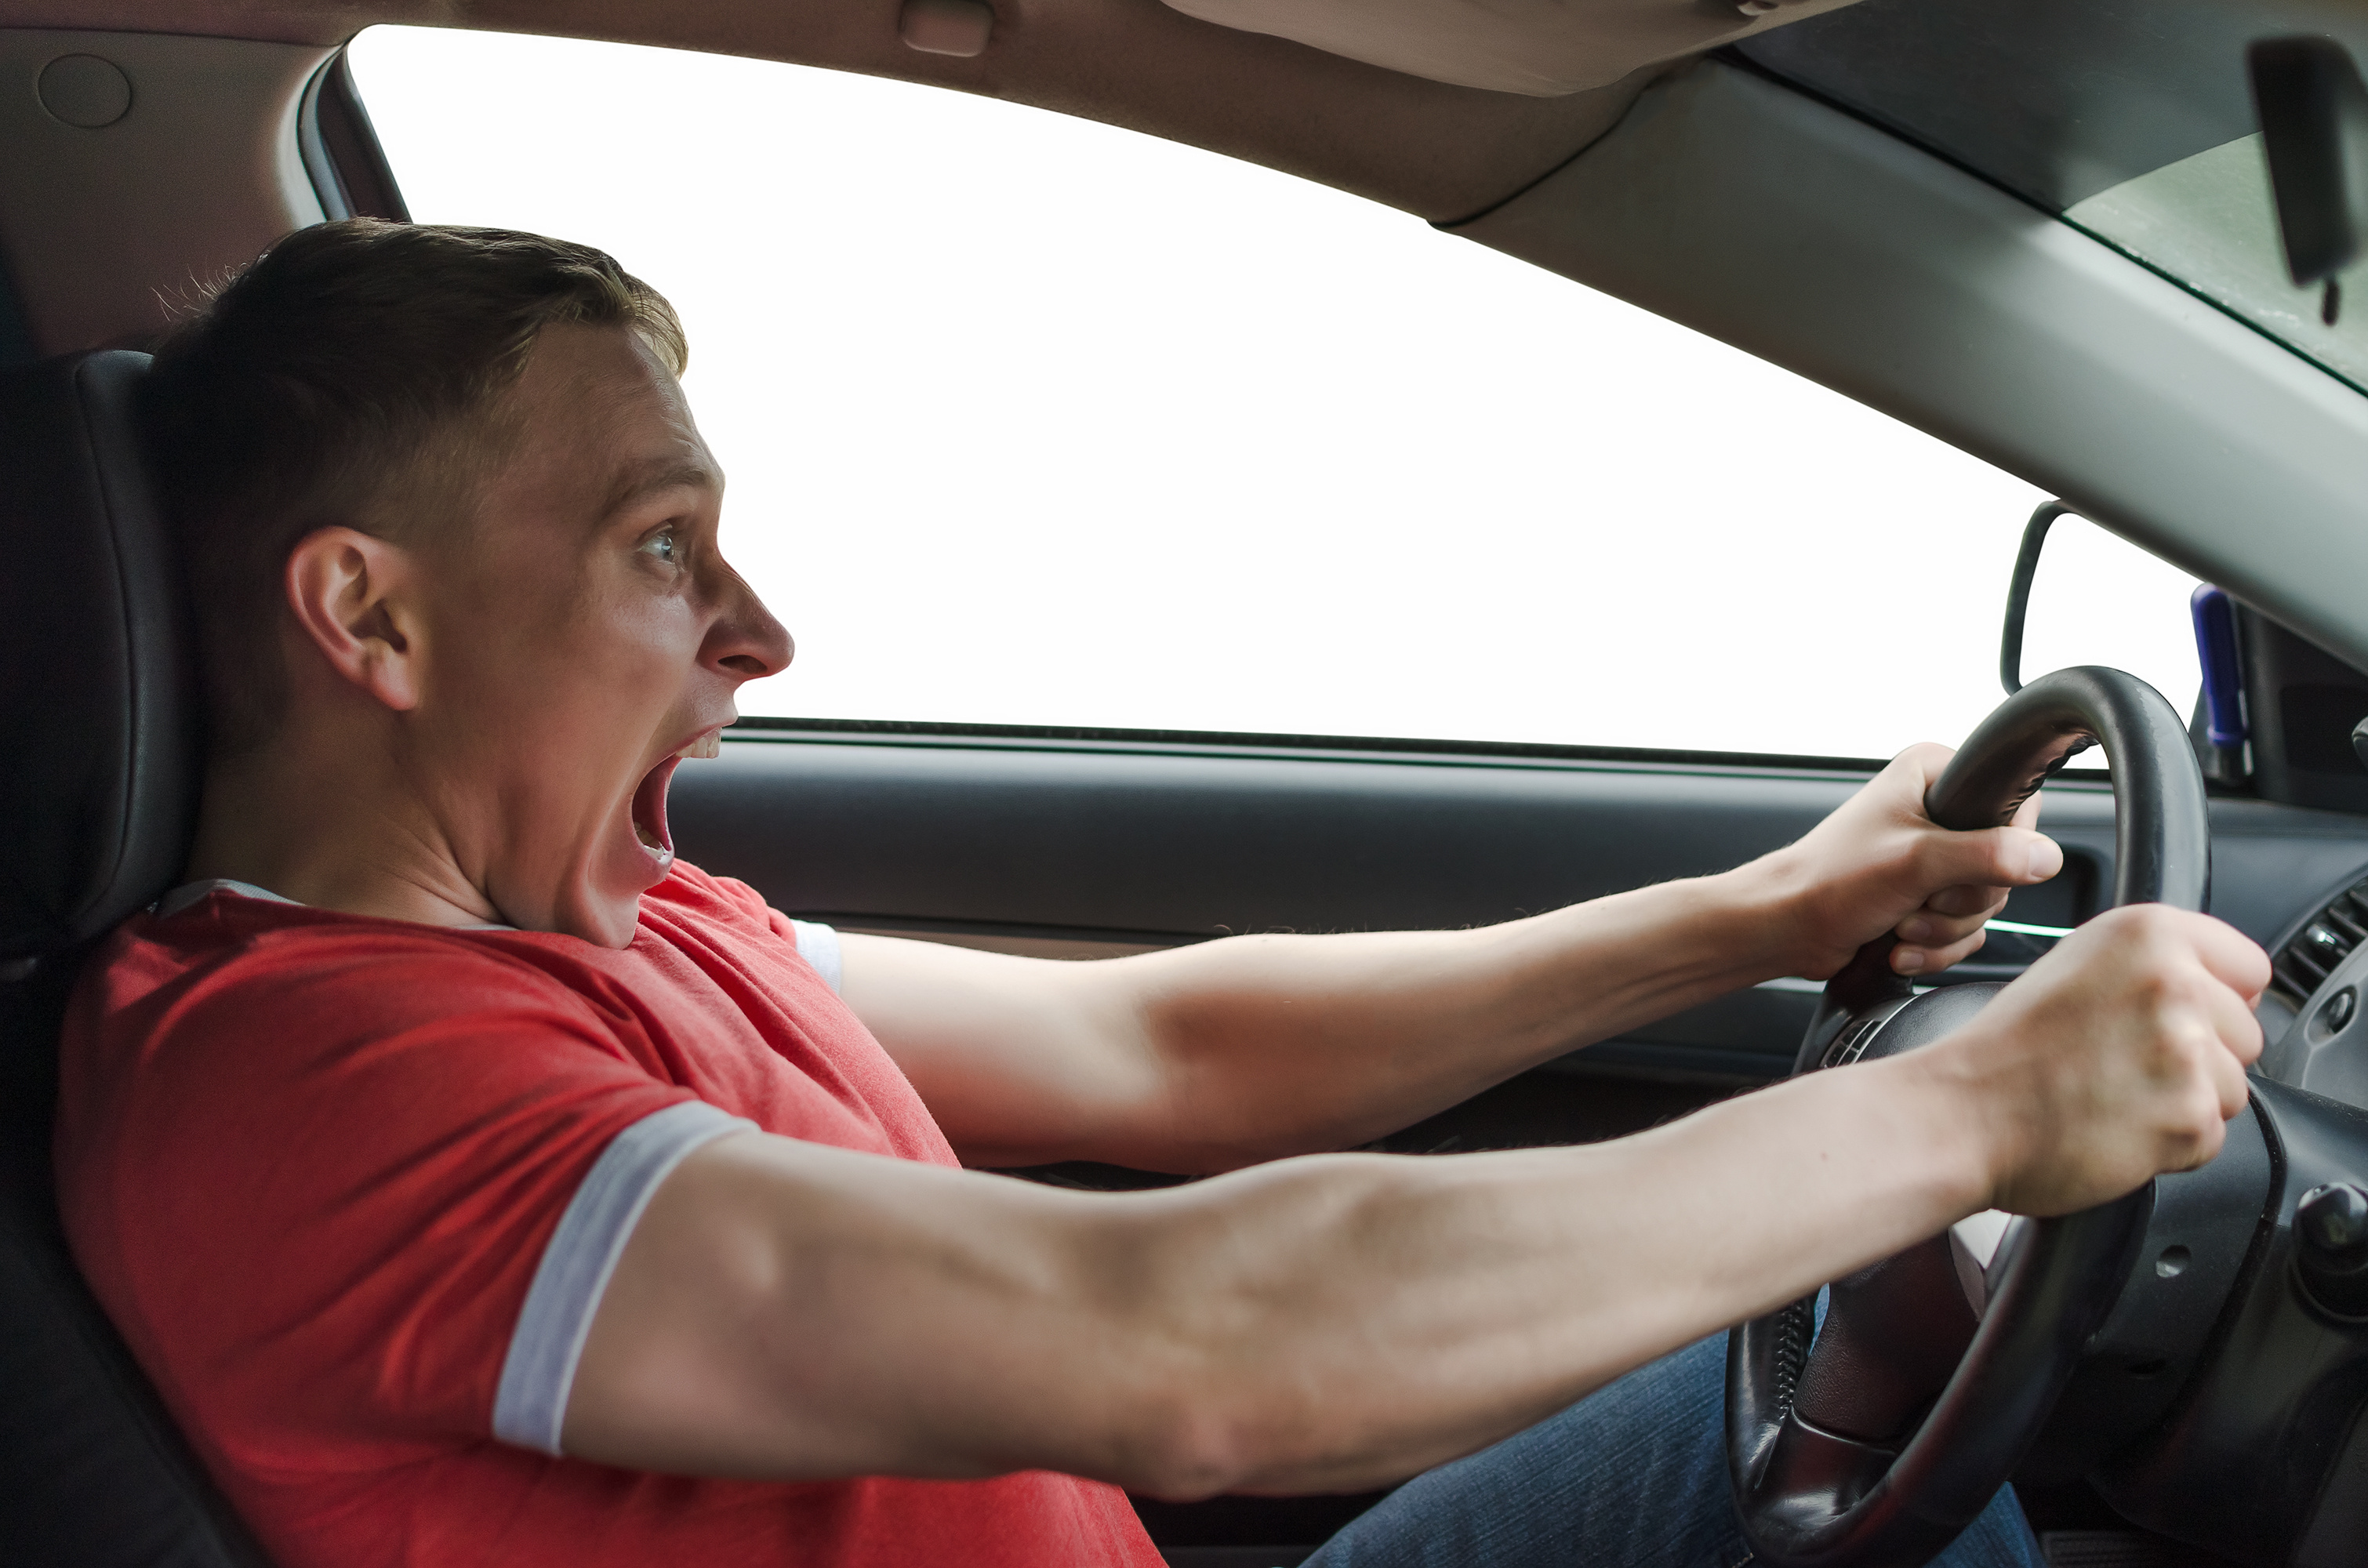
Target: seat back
[(97, 787)]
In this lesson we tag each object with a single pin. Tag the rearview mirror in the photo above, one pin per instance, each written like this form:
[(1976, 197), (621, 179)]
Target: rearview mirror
[(2313, 114)]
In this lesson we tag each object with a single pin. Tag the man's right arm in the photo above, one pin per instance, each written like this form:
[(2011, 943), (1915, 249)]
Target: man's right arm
[(1337, 1322)]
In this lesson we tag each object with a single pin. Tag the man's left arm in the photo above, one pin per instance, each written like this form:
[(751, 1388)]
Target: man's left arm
[(1224, 1054)]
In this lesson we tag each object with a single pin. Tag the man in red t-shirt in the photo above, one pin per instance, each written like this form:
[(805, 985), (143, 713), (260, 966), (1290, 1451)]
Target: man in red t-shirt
[(481, 1184)]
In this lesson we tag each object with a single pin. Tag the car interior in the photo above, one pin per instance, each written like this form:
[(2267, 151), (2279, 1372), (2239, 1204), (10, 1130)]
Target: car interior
[(2005, 223)]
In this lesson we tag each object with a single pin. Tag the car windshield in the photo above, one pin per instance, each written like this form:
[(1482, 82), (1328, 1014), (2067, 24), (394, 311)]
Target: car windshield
[(2130, 118), (2207, 221), (1032, 421)]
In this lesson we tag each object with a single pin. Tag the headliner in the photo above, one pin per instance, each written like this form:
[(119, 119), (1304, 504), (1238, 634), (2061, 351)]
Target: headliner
[(1438, 151)]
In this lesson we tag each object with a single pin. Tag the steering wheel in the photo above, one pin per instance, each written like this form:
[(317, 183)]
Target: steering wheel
[(1876, 1438)]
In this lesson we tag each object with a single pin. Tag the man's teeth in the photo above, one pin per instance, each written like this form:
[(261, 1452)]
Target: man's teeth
[(709, 745), (646, 836)]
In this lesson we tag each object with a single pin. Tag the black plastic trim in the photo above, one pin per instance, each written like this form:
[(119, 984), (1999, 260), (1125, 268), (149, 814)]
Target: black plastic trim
[(1344, 748), (17, 346), (2017, 592), (1332, 748), (340, 149)]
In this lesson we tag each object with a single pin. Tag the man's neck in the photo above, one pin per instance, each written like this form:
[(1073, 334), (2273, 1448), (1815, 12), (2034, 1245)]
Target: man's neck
[(321, 832)]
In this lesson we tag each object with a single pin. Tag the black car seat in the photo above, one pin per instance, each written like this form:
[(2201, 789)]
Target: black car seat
[(98, 765)]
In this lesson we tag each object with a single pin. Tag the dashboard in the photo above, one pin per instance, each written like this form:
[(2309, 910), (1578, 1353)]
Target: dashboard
[(2321, 966)]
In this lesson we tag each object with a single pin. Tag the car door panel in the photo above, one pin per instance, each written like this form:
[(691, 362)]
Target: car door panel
[(1086, 849), (1186, 843)]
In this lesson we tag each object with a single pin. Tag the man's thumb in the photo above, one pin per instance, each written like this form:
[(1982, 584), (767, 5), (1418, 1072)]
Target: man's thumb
[(2020, 857), (1994, 857)]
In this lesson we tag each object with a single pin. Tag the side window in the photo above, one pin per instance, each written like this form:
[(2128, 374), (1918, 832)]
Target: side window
[(2098, 599), (1032, 421)]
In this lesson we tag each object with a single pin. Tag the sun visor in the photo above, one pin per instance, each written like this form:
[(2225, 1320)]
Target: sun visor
[(1543, 48)]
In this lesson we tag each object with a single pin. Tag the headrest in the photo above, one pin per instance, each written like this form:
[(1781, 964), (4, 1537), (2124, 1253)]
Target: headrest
[(98, 772)]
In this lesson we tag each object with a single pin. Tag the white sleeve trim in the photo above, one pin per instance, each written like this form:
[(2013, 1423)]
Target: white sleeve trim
[(538, 1374), (819, 946), (189, 894)]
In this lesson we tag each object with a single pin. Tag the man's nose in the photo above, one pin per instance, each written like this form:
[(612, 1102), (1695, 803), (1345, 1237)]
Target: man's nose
[(746, 640)]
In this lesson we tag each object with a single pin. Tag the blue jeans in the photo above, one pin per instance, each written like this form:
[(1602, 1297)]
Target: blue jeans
[(1632, 1476)]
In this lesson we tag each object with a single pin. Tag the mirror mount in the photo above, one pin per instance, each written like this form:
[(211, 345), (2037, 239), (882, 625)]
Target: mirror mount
[(2313, 112)]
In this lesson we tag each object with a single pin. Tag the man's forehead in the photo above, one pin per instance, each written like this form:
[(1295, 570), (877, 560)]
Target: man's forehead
[(635, 479), (606, 421)]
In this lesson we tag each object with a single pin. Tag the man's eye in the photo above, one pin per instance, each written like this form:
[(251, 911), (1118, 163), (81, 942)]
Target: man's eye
[(662, 545)]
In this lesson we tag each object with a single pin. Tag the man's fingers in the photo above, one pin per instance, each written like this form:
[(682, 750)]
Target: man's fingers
[(2210, 1050), (2137, 1030), (1926, 929), (1974, 872), (2196, 1152), (2232, 1019), (2234, 959), (1921, 960), (2229, 1082), (1920, 765), (1964, 903)]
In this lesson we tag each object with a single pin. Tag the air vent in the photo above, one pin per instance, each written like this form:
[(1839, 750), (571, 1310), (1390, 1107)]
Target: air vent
[(2323, 942)]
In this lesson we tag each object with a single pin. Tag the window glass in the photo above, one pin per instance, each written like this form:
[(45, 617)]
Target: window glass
[(2209, 221), (1031, 420)]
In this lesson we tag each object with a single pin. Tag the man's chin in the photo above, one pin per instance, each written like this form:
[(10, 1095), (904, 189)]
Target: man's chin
[(606, 909), (600, 903), (608, 921)]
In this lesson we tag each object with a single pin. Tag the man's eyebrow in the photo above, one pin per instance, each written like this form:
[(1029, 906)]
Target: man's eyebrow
[(637, 483)]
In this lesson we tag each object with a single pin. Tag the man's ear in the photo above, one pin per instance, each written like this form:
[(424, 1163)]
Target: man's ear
[(352, 597)]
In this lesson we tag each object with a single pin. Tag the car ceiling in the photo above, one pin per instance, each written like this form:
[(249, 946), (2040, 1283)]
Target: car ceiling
[(2055, 101), (1437, 151)]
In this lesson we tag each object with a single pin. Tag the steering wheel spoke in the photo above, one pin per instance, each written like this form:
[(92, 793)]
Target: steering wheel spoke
[(1975, 1242)]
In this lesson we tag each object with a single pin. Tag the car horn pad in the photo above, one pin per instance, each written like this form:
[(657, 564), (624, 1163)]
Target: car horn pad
[(1875, 1437)]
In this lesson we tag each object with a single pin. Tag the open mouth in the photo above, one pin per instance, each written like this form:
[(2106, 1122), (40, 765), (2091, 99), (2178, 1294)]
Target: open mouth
[(650, 797), (650, 809)]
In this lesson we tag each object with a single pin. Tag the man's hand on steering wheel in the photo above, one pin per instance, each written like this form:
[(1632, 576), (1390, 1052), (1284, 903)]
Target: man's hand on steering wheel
[(1879, 865), (2120, 1055)]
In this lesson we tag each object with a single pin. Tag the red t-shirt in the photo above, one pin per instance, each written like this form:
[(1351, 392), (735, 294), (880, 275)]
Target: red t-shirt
[(311, 1164)]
